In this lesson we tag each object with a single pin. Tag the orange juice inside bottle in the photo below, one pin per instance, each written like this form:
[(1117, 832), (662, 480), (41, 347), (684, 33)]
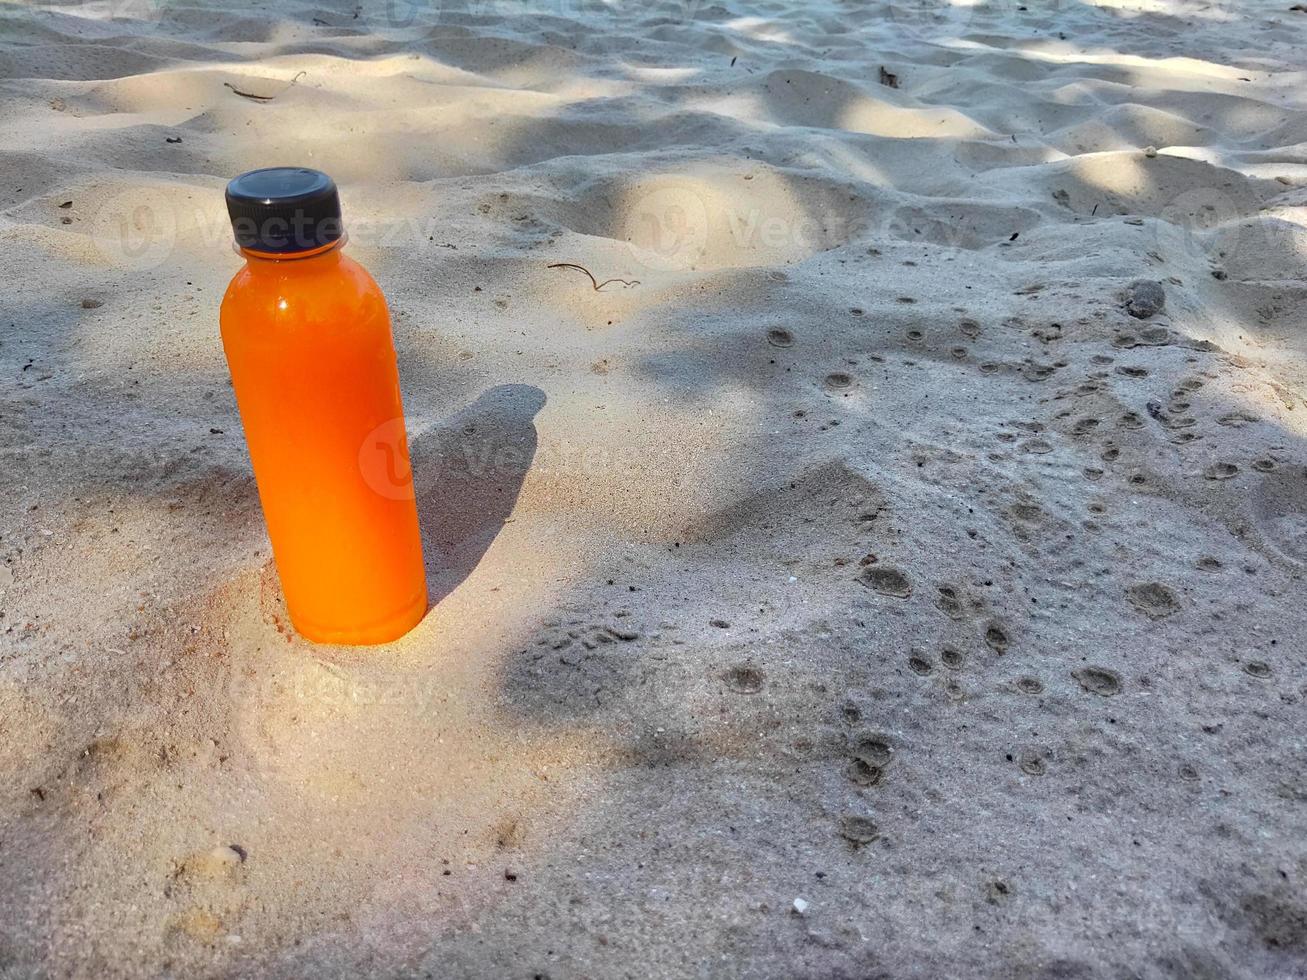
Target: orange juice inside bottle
[(312, 361)]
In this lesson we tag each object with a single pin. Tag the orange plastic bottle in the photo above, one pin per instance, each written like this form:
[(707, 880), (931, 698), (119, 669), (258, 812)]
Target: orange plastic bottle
[(312, 361)]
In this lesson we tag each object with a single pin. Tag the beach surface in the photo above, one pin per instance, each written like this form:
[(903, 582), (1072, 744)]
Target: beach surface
[(861, 451)]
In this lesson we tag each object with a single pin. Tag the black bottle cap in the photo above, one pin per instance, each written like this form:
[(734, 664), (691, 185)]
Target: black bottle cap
[(283, 210)]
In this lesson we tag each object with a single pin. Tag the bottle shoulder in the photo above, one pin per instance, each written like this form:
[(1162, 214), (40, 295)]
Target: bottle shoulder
[(332, 288)]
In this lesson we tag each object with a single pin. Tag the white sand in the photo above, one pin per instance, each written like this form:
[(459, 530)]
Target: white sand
[(653, 691)]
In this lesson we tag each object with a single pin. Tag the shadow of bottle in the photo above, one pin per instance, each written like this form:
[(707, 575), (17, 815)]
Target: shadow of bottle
[(467, 472)]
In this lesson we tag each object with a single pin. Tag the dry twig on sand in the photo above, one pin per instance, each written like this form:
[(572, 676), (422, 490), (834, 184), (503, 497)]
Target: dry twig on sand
[(593, 281), (262, 98)]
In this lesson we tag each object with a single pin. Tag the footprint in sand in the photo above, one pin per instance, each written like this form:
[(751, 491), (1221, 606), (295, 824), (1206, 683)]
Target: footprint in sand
[(997, 892), (744, 679), (868, 757), (858, 830), (839, 381), (918, 663), (952, 658), (780, 337), (1257, 668), (1220, 471), (949, 603), (1028, 512), (1172, 419), (219, 863), (1037, 372), (1098, 680), (560, 637), (1279, 506), (875, 749), (1029, 685), (861, 773), (1034, 762), (886, 580), (996, 637), (1153, 599), (1148, 337)]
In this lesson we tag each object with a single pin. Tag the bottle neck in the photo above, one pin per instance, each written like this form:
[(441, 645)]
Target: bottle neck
[(260, 258)]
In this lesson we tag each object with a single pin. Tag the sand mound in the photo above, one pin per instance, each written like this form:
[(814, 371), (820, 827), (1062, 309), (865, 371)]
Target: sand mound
[(834, 573)]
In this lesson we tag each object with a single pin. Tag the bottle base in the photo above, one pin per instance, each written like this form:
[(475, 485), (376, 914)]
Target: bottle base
[(389, 629)]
